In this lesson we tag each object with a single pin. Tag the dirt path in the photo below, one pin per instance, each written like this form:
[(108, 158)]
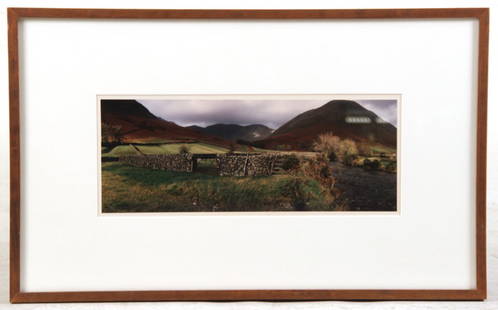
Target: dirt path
[(365, 190)]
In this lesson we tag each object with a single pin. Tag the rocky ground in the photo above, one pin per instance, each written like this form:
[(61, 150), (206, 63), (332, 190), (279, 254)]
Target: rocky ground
[(363, 190)]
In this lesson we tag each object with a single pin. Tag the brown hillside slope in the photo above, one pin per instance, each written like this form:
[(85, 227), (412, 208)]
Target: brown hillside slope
[(337, 116), (138, 124)]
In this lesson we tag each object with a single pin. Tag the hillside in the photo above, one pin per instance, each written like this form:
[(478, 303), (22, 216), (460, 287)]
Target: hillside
[(345, 118), (234, 132), (138, 125)]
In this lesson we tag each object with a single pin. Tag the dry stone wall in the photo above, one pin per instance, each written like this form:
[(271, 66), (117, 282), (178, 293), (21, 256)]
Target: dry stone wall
[(228, 164), (170, 162), (247, 165)]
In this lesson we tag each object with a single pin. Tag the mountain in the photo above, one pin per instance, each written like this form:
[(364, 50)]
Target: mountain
[(138, 124), (235, 132), (344, 118)]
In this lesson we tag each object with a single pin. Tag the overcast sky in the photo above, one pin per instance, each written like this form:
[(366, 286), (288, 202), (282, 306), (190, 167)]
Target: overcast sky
[(272, 113)]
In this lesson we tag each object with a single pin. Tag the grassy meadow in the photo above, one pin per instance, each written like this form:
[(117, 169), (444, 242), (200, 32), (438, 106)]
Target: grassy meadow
[(168, 148), (311, 155), (173, 148), (134, 189)]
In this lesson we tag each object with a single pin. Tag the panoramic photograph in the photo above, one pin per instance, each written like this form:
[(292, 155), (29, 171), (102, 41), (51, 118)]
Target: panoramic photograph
[(209, 154)]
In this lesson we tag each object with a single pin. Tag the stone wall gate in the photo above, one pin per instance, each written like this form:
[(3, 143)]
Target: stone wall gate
[(237, 164)]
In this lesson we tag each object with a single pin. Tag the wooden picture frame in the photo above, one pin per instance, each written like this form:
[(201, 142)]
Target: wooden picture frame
[(15, 15)]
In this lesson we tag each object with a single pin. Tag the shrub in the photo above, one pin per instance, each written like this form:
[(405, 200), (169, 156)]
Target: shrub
[(364, 149), (231, 148), (375, 164), (319, 169), (328, 144), (334, 147), (349, 160), (111, 134), (348, 147), (294, 189), (332, 156), (371, 164), (290, 162), (184, 149), (391, 166), (305, 145)]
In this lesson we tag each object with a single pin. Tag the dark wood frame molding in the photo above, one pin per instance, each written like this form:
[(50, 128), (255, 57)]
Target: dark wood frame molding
[(17, 296)]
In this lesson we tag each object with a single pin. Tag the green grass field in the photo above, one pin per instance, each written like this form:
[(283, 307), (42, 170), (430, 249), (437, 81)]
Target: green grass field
[(170, 148), (132, 189), (382, 149), (175, 148), (195, 148)]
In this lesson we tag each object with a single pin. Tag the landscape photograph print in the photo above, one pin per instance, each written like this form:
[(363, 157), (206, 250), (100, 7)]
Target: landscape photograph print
[(249, 154)]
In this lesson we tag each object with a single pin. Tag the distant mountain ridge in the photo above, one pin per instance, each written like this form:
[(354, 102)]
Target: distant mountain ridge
[(344, 118), (234, 132), (138, 124)]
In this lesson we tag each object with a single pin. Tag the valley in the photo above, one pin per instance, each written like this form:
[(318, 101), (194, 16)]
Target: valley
[(326, 162)]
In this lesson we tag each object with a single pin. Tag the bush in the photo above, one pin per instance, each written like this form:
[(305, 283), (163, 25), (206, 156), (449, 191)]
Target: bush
[(294, 189), (328, 144), (371, 164), (290, 162), (231, 148), (319, 169), (364, 149), (305, 145), (332, 156), (112, 135), (348, 148), (375, 165), (349, 160), (391, 166), (184, 149), (334, 147)]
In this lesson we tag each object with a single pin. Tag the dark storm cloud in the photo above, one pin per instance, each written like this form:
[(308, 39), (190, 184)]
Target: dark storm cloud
[(272, 113)]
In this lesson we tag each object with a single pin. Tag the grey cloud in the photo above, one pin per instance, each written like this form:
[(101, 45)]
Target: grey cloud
[(385, 109), (272, 113)]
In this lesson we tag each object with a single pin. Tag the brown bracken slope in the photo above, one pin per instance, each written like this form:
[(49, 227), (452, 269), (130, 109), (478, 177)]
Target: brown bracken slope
[(139, 125), (344, 118)]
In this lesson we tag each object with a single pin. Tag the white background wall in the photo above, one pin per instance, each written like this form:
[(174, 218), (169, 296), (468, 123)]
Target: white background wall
[(493, 124)]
